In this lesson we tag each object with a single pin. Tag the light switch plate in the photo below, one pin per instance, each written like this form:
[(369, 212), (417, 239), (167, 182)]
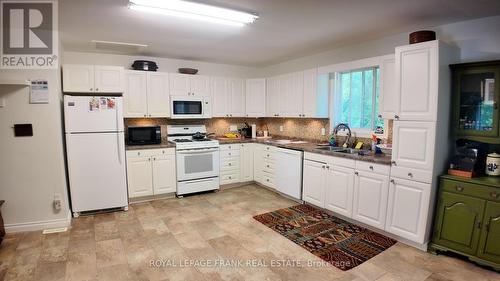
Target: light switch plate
[(281, 128), (2, 102)]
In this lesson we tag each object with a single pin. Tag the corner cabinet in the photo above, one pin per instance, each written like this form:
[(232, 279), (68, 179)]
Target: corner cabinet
[(476, 93), (467, 219), (255, 97)]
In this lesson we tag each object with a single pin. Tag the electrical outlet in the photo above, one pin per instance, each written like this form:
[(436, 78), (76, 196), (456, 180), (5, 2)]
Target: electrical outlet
[(2, 102), (233, 128), (57, 201), (281, 128), (323, 131)]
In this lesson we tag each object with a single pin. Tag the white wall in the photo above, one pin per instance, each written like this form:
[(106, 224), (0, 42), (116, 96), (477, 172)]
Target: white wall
[(477, 39), (164, 64), (32, 168)]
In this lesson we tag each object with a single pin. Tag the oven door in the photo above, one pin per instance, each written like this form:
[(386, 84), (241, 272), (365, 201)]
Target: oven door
[(197, 163), (185, 108)]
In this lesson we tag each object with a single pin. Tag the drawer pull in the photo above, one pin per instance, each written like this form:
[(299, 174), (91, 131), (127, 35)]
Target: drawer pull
[(268, 155), (494, 195), (230, 177), (138, 153), (323, 166), (328, 167), (356, 173), (459, 188), (371, 168), (267, 166), (267, 180), (410, 175), (229, 164), (229, 147), (393, 182), (393, 163), (229, 153)]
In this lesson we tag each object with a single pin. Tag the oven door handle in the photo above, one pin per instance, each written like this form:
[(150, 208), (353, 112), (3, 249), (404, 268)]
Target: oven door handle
[(194, 151)]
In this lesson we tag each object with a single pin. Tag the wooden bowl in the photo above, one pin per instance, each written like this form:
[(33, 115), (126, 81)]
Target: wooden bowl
[(186, 70), (422, 36)]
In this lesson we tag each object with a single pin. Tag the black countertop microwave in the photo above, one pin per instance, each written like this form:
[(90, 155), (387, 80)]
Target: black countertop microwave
[(142, 135)]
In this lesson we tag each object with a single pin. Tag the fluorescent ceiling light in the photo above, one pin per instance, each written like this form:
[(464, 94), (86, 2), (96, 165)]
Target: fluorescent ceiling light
[(194, 11)]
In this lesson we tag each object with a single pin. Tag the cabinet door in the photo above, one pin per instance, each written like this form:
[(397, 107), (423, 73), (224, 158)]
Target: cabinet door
[(458, 222), (220, 97), (179, 84), (200, 85), (258, 163), (164, 175), (339, 190), (158, 95), (272, 97), (140, 177), (134, 96), (295, 95), (413, 144), (237, 98), (407, 209), (255, 98), (246, 162), (310, 95), (417, 81), (389, 97), (108, 79), (489, 243), (284, 88), (314, 183), (78, 78), (370, 198)]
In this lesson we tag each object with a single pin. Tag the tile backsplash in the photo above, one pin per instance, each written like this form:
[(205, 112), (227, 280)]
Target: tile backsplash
[(303, 128)]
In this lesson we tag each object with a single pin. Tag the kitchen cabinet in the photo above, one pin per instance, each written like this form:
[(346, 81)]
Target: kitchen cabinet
[(370, 198), (255, 98), (92, 79), (314, 183), (264, 165), (273, 98), (230, 164), (294, 94), (389, 97), (151, 172), (189, 85), (476, 93), (339, 189), (228, 97), (407, 209), (146, 94), (467, 219), (414, 144), (247, 162), (315, 98)]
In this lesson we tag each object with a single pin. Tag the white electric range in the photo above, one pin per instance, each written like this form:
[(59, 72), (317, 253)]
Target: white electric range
[(197, 159)]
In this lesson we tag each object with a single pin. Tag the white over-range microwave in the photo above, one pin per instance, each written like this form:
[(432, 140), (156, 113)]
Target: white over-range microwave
[(182, 107)]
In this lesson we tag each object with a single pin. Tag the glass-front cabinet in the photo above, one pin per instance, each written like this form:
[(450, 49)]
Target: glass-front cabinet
[(475, 101)]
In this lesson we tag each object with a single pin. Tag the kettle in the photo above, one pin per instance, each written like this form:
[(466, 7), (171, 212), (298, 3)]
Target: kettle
[(493, 164)]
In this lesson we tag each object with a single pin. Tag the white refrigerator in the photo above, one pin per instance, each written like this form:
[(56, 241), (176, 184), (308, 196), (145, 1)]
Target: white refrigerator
[(95, 149)]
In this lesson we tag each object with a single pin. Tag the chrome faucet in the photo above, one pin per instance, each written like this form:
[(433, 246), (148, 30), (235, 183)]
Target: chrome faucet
[(345, 126)]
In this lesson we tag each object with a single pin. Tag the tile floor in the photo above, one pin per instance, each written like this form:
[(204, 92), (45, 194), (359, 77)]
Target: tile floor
[(210, 227)]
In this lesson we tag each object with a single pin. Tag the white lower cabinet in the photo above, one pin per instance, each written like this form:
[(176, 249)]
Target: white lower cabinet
[(151, 172), (407, 209), (258, 164), (230, 164), (246, 162), (370, 198), (314, 183), (339, 190)]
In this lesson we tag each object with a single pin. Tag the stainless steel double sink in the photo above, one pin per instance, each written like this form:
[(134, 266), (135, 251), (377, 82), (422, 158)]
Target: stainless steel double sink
[(343, 150)]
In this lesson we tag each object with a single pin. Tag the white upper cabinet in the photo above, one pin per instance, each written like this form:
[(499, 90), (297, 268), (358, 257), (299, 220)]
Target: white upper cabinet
[(134, 97), (189, 85), (407, 209), (339, 190), (237, 97), (272, 97), (146, 94), (370, 198), (158, 96), (294, 95), (389, 97), (255, 98), (92, 79), (413, 144), (417, 70)]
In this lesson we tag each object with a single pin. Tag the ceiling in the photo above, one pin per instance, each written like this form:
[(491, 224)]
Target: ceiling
[(286, 28)]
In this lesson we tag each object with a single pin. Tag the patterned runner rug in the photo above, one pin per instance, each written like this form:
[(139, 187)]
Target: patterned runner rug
[(342, 244)]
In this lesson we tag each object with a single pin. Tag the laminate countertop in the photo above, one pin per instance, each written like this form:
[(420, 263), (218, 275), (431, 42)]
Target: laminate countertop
[(313, 148), (163, 144)]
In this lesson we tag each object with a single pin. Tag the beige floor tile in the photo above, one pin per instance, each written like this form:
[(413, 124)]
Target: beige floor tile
[(106, 230), (110, 252), (81, 265), (51, 271)]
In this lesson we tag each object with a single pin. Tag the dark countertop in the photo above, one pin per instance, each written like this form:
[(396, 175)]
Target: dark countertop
[(312, 147), (164, 144)]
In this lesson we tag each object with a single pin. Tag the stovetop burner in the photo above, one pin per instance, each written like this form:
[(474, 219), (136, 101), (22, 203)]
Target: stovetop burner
[(182, 140)]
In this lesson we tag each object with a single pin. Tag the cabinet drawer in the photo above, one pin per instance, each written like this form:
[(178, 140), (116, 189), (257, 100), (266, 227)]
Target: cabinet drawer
[(373, 167), (229, 153), (150, 152), (268, 180), (411, 174), (229, 177), (269, 166), (268, 155), (225, 147), (231, 163), (470, 189)]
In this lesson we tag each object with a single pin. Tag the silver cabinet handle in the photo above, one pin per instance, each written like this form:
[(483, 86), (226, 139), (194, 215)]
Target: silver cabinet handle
[(371, 168), (392, 181), (380, 116), (328, 167), (410, 175), (356, 173), (149, 159), (91, 89), (229, 164), (97, 89), (393, 163), (396, 117), (323, 166), (229, 153), (459, 188)]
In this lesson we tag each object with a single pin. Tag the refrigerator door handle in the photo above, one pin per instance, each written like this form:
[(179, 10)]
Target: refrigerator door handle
[(118, 135)]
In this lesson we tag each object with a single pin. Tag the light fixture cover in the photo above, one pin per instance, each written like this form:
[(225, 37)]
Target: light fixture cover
[(195, 11)]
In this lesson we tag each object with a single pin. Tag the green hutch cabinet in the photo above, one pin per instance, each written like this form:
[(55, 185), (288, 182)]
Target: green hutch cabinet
[(467, 219), (476, 93)]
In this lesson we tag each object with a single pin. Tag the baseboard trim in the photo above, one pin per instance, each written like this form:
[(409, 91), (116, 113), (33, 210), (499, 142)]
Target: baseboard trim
[(38, 225)]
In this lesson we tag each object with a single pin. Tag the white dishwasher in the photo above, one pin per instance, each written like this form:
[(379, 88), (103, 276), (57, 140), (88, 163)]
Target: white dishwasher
[(289, 172)]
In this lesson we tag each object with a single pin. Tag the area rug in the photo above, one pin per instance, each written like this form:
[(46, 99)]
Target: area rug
[(340, 243)]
